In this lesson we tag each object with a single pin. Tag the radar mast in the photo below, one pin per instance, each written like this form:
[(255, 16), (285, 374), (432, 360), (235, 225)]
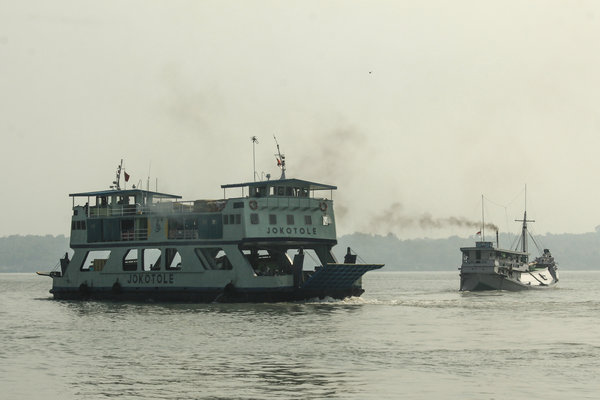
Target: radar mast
[(280, 159)]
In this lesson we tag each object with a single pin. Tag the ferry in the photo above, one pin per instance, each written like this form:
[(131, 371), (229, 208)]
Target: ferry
[(270, 241), (485, 267)]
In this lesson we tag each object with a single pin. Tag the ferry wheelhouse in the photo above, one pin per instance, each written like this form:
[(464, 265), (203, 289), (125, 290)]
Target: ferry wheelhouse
[(271, 242)]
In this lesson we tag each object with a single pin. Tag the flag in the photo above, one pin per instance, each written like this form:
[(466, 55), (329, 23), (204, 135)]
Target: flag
[(478, 233), (126, 177), (278, 162)]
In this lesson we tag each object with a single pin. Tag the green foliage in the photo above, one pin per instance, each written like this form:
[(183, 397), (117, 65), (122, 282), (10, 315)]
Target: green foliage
[(572, 252), (31, 253)]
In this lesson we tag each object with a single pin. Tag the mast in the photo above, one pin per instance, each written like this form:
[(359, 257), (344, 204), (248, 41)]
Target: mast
[(254, 142), (280, 159), (524, 228), (117, 182)]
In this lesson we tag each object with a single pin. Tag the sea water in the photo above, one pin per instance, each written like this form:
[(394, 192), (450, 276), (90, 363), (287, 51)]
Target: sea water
[(412, 335)]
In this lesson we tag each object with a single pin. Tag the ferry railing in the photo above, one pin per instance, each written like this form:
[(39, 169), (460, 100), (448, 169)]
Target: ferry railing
[(183, 234), (182, 207), (136, 234), (115, 211), (293, 203)]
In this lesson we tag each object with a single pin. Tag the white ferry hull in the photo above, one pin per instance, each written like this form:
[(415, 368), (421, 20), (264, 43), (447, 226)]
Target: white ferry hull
[(332, 280)]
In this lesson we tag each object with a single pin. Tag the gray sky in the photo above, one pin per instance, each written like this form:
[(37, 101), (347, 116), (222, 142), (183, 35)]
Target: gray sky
[(413, 109)]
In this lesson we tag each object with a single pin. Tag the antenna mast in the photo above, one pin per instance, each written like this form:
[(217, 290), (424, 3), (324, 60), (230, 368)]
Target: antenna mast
[(280, 159), (117, 182), (254, 143)]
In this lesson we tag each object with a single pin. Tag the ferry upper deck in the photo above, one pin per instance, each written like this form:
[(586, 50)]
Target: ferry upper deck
[(289, 209)]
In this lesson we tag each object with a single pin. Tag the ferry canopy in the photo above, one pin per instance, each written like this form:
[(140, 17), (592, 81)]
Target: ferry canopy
[(282, 182), (127, 192)]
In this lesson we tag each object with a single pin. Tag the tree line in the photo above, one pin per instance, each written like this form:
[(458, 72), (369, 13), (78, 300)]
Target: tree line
[(32, 253)]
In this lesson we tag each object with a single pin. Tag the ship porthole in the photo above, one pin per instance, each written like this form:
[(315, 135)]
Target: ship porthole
[(323, 206), (253, 204)]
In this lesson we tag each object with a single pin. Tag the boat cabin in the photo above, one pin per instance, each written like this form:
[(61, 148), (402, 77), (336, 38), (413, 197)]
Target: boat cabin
[(286, 208), (485, 254), (295, 188)]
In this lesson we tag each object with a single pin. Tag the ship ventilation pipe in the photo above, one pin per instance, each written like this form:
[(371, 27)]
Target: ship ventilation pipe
[(497, 240), (349, 258)]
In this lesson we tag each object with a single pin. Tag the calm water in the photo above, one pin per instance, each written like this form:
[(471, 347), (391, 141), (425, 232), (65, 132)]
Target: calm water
[(411, 336)]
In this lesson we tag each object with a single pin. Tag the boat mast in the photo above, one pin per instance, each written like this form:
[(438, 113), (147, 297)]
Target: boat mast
[(524, 228), (117, 182), (254, 143), (280, 159)]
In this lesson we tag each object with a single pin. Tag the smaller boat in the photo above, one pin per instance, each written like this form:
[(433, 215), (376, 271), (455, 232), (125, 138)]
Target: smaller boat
[(485, 267)]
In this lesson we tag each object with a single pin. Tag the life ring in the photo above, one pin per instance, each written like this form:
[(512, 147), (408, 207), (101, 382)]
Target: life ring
[(253, 204), (323, 206)]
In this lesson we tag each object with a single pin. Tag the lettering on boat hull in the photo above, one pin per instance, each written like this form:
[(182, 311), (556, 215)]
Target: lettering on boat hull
[(290, 230), (151, 279)]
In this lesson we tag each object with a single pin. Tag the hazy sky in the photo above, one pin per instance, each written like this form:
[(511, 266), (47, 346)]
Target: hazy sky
[(414, 109)]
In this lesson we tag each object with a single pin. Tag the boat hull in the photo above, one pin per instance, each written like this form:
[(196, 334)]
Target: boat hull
[(337, 281), (227, 295), (474, 282)]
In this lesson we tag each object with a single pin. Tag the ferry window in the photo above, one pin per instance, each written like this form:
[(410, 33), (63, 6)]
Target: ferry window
[(254, 218), (308, 220), (238, 219), (215, 257), (280, 190), (326, 220), (175, 226), (127, 229), (263, 262), (273, 219), (78, 225), (130, 260), (172, 259), (151, 259), (304, 192), (238, 204), (141, 228), (289, 191), (182, 228), (258, 191), (290, 219), (95, 260), (125, 199), (225, 219)]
